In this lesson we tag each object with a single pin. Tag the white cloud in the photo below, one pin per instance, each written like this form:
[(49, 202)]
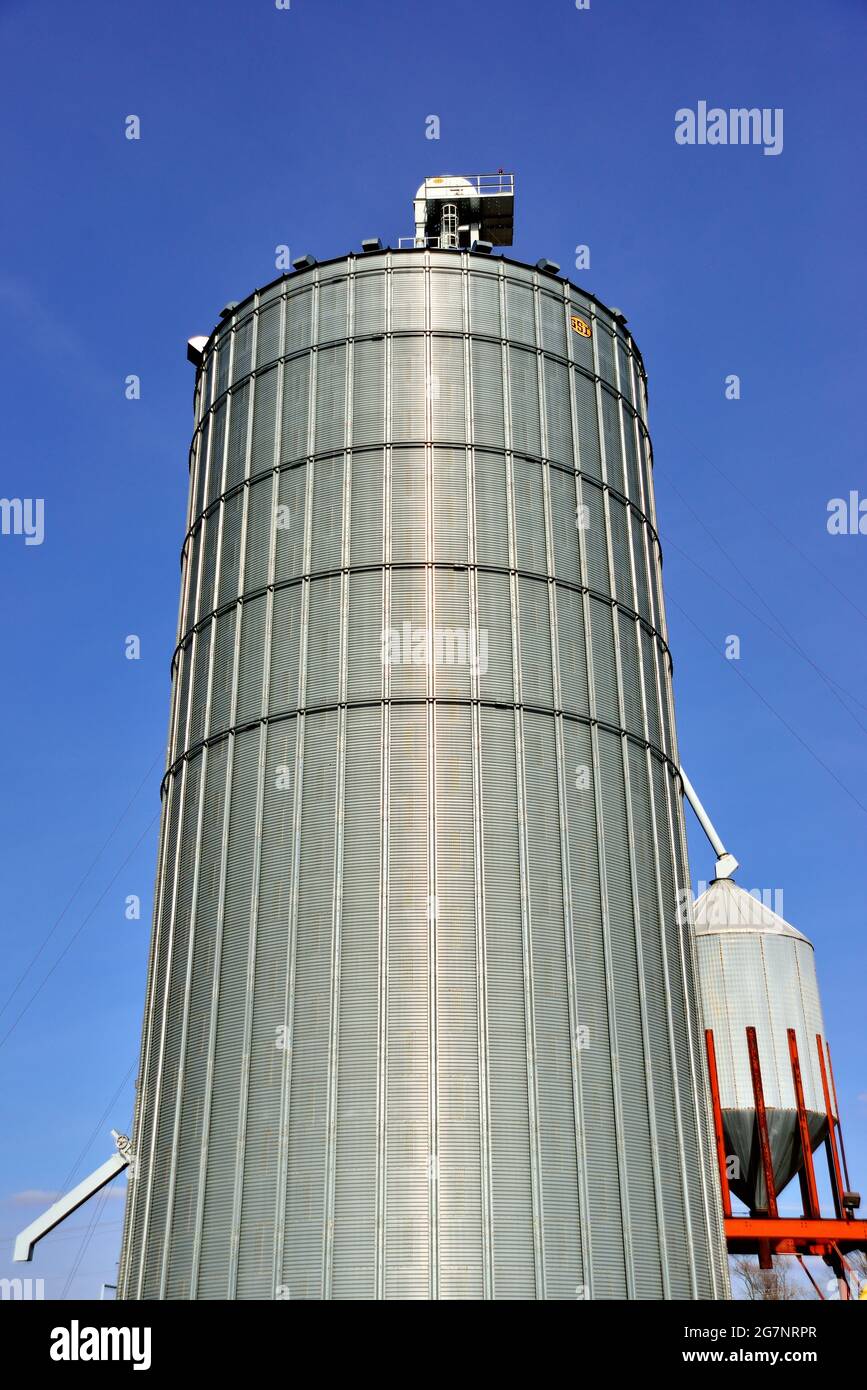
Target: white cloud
[(31, 1196), (38, 1197)]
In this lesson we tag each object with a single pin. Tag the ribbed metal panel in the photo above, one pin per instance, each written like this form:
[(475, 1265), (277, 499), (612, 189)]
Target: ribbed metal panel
[(752, 979), (421, 1016), (756, 971), (358, 1110), (409, 1158)]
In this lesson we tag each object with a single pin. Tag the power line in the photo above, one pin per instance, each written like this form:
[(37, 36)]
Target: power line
[(76, 935), (85, 1242), (74, 895), (95, 1222), (751, 502), (793, 641), (794, 646), (98, 1126), (768, 705)]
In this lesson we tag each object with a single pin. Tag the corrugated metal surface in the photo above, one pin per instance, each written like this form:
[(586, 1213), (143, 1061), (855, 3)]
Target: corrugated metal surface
[(419, 1016), (757, 971)]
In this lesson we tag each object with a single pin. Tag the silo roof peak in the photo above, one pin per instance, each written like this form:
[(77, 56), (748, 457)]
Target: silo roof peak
[(725, 906)]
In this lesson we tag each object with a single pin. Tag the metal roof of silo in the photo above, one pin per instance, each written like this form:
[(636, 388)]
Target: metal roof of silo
[(727, 907)]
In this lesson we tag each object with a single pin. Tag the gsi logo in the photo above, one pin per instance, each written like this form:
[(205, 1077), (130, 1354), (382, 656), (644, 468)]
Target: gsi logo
[(579, 326)]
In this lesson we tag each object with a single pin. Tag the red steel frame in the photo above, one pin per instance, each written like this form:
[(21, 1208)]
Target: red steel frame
[(830, 1142), (719, 1132), (762, 1121), (767, 1234), (836, 1106)]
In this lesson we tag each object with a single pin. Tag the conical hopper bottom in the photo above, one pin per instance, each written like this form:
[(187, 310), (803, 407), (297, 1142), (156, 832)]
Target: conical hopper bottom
[(742, 1142)]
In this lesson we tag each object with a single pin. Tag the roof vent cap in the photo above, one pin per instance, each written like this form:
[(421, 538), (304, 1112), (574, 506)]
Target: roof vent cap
[(196, 349)]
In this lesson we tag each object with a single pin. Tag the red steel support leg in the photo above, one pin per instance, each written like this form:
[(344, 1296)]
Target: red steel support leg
[(803, 1128), (719, 1131), (762, 1121), (837, 1118), (805, 1195), (800, 1260), (840, 1264), (833, 1160)]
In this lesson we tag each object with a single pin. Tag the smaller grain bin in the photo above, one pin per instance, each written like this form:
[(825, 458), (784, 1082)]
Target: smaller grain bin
[(756, 971)]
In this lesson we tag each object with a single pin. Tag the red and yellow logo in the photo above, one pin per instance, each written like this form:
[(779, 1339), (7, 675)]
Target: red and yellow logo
[(579, 326)]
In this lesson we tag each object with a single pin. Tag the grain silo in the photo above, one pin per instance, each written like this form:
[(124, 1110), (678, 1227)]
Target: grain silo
[(421, 1019), (757, 972)]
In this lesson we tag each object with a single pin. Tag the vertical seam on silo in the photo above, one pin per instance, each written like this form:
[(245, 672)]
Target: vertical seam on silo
[(304, 611), (244, 1089), (572, 1000), (304, 619), (654, 548), (267, 658), (610, 1015), (526, 929), (613, 1042), (430, 716), (616, 619), (252, 942), (284, 1175), (562, 813), (530, 1025), (473, 616), (430, 740), (212, 1029), (385, 870), (482, 1011), (176, 693), (304, 633), (672, 1050), (224, 857), (382, 1012), (340, 776), (597, 403), (601, 831), (698, 1072), (640, 500), (182, 1048), (712, 1196), (581, 1151), (526, 939), (642, 1001), (282, 1129), (334, 1023)]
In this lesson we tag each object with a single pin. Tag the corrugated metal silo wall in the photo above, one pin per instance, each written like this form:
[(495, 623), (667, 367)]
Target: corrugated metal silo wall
[(420, 1017), (768, 982)]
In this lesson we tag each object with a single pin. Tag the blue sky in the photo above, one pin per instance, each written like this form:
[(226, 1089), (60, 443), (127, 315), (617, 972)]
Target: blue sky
[(307, 127)]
